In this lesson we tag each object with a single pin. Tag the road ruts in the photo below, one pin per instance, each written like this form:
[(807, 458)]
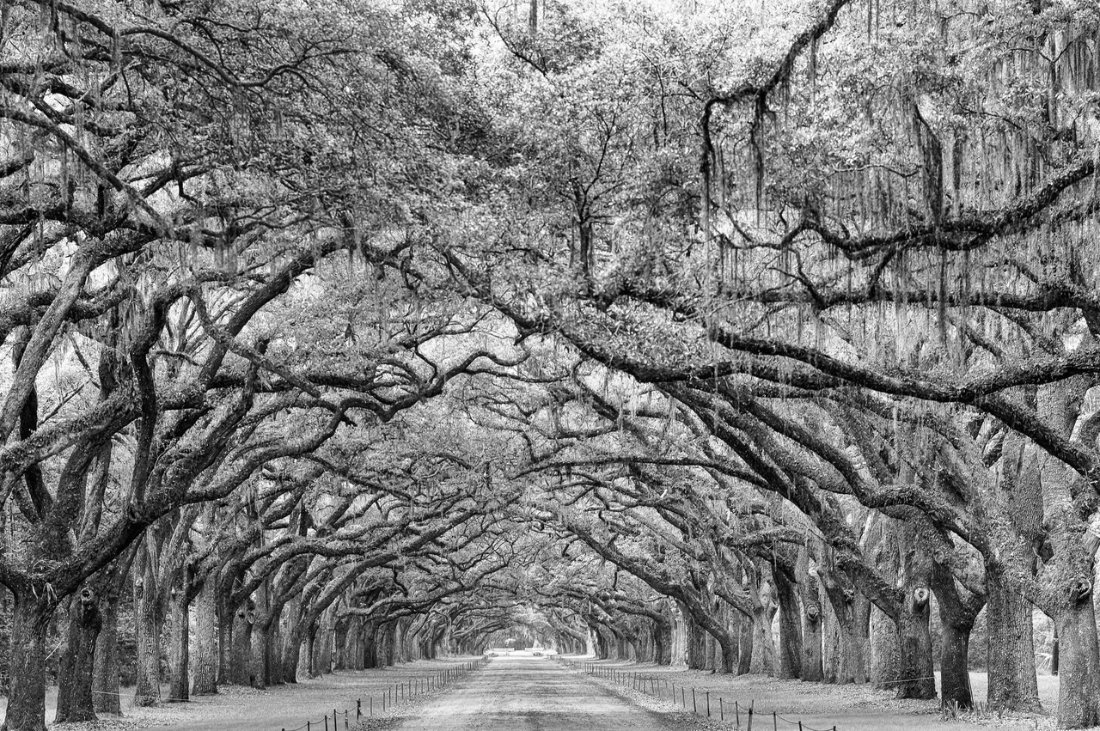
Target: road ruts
[(529, 694)]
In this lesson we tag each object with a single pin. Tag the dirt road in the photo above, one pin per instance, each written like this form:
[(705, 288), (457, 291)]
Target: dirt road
[(529, 694)]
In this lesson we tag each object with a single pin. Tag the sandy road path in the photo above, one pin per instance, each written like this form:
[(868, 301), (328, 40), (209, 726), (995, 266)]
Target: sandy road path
[(529, 694)]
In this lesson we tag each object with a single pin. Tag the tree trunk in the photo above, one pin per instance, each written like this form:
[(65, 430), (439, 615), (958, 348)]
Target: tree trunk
[(323, 646), (884, 538), (681, 636), (853, 617), (1011, 654), (830, 644), (712, 653), (257, 673), (662, 642), (206, 640), (225, 641), (147, 637), (603, 649), (729, 655), (74, 681), (885, 651), (1054, 653), (763, 642), (341, 637), (370, 646), (240, 653), (622, 647), (1079, 672), (292, 656), (954, 666), (958, 610), (811, 665), (311, 653), (179, 640), (915, 642), (106, 693), (790, 627), (745, 636), (915, 664), (27, 698), (6, 604), (696, 644), (290, 642), (273, 657), (259, 650)]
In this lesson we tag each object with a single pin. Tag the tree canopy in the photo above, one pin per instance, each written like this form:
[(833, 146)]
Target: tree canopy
[(736, 334)]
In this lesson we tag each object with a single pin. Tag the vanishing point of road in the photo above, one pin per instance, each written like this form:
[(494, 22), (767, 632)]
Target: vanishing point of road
[(529, 694)]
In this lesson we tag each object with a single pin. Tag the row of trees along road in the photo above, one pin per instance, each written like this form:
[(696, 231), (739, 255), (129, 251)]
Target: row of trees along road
[(345, 333)]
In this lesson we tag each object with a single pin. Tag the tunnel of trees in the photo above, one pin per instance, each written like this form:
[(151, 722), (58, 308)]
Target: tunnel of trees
[(760, 337)]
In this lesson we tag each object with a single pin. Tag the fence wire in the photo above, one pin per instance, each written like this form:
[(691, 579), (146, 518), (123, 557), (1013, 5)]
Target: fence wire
[(751, 712), (389, 699)]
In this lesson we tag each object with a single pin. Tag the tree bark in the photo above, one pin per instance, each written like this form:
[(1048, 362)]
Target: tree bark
[(106, 693), (291, 656), (729, 656), (812, 666), (290, 642), (147, 637), (745, 637), (27, 699), (240, 653), (853, 616), (883, 538), (662, 642), (790, 627), (830, 643), (340, 633), (681, 639), (954, 666), (225, 638), (958, 610), (370, 646), (179, 640), (696, 643), (1054, 653), (1011, 654), (915, 642), (1079, 672), (74, 691), (885, 651), (323, 646), (273, 657), (763, 643), (258, 675), (257, 664), (311, 653), (206, 640), (259, 650)]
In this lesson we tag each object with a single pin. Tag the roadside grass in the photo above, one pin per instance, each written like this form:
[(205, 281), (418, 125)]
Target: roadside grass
[(821, 706), (288, 706)]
